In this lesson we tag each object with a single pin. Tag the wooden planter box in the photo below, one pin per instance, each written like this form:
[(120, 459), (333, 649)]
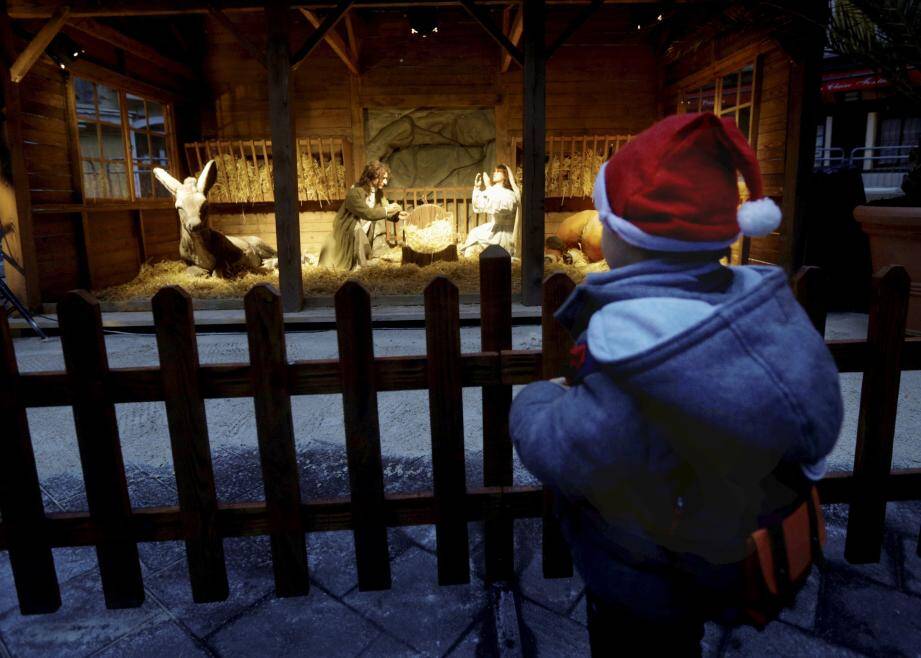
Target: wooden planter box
[(895, 239)]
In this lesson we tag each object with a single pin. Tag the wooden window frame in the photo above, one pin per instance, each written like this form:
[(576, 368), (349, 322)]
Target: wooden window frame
[(129, 156), (718, 77)]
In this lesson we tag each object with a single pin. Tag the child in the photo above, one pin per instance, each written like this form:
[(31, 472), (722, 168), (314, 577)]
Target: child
[(704, 400)]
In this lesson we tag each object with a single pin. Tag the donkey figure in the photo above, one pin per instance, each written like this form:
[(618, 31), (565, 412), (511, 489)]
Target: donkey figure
[(206, 250)]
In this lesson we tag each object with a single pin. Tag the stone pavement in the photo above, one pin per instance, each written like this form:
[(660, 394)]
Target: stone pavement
[(844, 610)]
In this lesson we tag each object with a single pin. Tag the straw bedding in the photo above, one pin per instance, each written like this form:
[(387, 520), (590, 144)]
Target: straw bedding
[(380, 279)]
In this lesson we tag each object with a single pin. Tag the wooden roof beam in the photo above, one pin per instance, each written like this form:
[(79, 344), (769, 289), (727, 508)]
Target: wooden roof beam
[(514, 35), (577, 22), (32, 9), (36, 47), (335, 42), (319, 34), (123, 42), (353, 38), (482, 17), (252, 49)]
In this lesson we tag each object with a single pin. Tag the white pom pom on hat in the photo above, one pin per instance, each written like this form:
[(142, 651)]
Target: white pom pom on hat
[(758, 218)]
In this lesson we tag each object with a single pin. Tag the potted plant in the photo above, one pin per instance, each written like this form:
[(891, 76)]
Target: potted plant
[(881, 35)]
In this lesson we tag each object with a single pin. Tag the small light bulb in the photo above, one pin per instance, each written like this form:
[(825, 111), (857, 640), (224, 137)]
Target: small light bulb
[(639, 27), (76, 54), (434, 29), (659, 17), (413, 30), (62, 66)]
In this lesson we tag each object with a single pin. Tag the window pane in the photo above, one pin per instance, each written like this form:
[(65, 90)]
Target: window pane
[(744, 120), (89, 140), (84, 94), (112, 146), (708, 98), (730, 89), (117, 179), (92, 179), (160, 191), (155, 116), (143, 183), (137, 117), (158, 146), (141, 146), (747, 83), (109, 108)]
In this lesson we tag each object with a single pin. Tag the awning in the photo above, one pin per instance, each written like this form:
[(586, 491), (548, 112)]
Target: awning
[(858, 80)]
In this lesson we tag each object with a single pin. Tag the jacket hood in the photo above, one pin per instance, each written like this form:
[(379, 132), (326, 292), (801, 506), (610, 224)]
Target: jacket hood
[(722, 359)]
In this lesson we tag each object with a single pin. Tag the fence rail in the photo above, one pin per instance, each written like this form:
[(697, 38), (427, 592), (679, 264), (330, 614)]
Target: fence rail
[(244, 168), (92, 388)]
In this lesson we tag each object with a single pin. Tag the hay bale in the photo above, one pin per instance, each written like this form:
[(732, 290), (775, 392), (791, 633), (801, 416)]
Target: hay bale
[(381, 279)]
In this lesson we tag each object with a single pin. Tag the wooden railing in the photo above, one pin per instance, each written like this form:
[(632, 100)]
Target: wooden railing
[(572, 162), (93, 389), (244, 168)]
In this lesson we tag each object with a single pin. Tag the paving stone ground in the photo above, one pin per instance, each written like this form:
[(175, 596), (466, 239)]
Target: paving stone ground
[(844, 610)]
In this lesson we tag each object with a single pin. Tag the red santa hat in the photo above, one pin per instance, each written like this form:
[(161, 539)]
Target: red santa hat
[(674, 187)]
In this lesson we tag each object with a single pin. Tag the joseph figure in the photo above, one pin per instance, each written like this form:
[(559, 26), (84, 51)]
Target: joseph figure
[(355, 229)]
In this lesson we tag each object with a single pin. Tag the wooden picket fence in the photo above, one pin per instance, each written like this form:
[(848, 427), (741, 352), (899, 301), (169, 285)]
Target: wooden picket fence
[(93, 389)]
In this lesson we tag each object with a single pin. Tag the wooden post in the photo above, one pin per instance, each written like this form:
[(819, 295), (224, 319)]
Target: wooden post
[(100, 449), (802, 112), (496, 336), (188, 433), (446, 409), (275, 432), (362, 435), (20, 494), (555, 346), (19, 244), (879, 402), (284, 163), (534, 135)]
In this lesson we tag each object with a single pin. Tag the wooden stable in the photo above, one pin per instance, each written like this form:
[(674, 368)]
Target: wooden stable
[(279, 93)]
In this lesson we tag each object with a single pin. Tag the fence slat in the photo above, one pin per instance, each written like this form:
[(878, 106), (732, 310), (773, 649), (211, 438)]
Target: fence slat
[(362, 435), (20, 495), (879, 399), (442, 338), (555, 345), (496, 336), (275, 429), (100, 450), (188, 430), (811, 289)]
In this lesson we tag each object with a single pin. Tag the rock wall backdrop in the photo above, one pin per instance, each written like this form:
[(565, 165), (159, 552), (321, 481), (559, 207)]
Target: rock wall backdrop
[(432, 147)]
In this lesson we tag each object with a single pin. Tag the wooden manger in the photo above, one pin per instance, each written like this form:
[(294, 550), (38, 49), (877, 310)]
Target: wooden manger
[(422, 217)]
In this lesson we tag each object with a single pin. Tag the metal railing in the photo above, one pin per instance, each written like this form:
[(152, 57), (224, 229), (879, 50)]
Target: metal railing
[(867, 158)]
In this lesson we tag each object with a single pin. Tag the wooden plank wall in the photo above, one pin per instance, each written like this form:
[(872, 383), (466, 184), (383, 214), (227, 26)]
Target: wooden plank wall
[(730, 53), (601, 81), (48, 162), (76, 249), (239, 86)]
